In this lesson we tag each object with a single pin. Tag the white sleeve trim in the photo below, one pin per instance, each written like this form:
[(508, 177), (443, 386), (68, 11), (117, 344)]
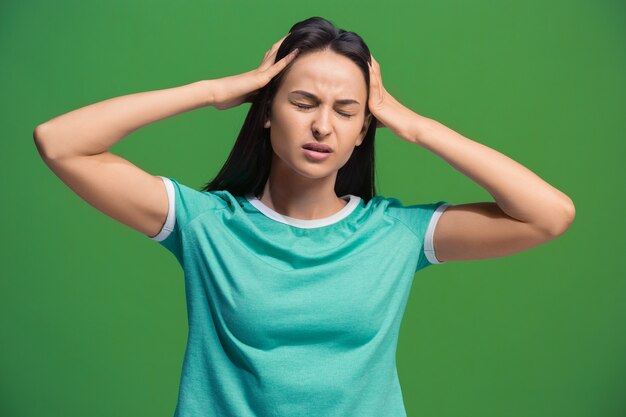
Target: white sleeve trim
[(429, 248), (168, 226)]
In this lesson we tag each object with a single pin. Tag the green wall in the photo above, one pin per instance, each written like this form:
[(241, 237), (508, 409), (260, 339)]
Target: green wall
[(92, 313)]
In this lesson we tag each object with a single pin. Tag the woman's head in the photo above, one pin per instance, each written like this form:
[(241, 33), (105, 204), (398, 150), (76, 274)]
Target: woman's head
[(321, 96)]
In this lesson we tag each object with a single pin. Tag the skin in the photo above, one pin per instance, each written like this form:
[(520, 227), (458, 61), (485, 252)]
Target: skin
[(527, 211), (298, 186)]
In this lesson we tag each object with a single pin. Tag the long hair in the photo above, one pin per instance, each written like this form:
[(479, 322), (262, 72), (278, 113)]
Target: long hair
[(248, 165)]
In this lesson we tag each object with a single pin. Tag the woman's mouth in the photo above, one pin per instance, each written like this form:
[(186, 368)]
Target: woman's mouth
[(316, 155)]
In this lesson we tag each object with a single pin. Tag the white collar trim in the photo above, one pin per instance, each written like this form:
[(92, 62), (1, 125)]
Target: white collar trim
[(353, 202)]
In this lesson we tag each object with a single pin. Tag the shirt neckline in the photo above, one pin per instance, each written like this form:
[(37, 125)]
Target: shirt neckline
[(353, 202)]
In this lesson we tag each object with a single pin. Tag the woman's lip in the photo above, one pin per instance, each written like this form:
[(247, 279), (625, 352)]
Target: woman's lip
[(316, 155), (313, 147)]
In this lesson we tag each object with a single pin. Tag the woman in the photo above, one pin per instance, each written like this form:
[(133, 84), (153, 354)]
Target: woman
[(296, 272)]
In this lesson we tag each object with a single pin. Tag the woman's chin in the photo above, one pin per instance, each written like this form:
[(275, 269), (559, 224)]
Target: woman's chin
[(314, 171)]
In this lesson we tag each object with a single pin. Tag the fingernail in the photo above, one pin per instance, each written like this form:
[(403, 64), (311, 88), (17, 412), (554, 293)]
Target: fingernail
[(295, 51)]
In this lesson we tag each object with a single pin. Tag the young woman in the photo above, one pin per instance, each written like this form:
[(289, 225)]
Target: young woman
[(296, 273)]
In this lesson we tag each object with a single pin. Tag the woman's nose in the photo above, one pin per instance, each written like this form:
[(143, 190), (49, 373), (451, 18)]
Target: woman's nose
[(321, 123)]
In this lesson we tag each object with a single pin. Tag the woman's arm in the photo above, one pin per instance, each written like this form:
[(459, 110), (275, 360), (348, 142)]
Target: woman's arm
[(75, 147), (528, 211), (518, 192), (95, 128)]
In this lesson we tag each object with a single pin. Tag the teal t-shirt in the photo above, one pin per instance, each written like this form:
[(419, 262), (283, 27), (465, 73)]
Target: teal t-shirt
[(290, 317)]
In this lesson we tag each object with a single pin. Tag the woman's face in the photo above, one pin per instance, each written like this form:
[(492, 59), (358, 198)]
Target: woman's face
[(322, 99)]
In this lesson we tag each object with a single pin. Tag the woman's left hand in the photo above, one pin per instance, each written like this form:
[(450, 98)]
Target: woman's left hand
[(387, 110)]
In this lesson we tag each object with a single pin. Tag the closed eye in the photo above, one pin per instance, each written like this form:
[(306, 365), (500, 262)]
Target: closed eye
[(308, 107)]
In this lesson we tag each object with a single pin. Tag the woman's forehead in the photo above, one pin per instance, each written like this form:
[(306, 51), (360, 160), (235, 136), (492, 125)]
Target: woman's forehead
[(326, 74)]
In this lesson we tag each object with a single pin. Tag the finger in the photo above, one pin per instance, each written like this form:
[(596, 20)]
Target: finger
[(280, 65), (272, 58), (274, 48), (269, 58), (278, 43), (378, 79), (376, 85), (284, 61), (373, 78), (376, 67), (374, 62)]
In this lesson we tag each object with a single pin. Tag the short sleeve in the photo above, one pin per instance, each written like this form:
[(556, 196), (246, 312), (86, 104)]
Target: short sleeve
[(422, 220), (431, 215), (184, 205)]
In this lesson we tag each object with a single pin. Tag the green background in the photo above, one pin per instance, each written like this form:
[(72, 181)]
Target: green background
[(92, 313)]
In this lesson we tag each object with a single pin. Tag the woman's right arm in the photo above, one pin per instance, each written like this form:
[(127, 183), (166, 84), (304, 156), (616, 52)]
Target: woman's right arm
[(75, 147)]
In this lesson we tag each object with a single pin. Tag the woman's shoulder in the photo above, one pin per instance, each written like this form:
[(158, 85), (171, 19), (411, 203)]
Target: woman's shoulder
[(192, 198), (408, 212)]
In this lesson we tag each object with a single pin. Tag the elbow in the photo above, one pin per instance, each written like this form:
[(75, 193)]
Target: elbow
[(38, 138), (41, 136), (565, 219), (37, 133)]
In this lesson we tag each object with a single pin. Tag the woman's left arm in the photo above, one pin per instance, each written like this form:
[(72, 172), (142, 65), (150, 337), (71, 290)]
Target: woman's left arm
[(528, 211)]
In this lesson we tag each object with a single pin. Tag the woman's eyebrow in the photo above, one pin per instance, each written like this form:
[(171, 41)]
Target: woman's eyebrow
[(315, 98)]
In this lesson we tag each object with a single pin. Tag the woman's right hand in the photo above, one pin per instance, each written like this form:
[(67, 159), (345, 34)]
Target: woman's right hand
[(236, 89)]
